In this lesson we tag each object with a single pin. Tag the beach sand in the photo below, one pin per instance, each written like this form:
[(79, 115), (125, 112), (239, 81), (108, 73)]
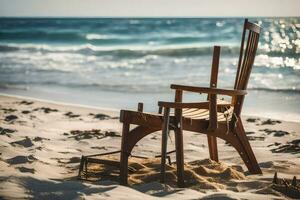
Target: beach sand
[(41, 144)]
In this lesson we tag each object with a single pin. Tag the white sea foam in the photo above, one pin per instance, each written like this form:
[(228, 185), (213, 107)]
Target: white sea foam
[(31, 46), (94, 36)]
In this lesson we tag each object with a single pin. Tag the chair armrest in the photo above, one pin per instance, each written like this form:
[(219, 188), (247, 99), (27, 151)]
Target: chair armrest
[(201, 105), (208, 90), (181, 105)]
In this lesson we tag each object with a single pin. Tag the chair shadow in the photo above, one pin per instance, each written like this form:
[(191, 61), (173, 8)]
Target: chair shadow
[(59, 189)]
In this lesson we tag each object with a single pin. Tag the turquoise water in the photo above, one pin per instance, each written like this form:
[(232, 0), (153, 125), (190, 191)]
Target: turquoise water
[(118, 62)]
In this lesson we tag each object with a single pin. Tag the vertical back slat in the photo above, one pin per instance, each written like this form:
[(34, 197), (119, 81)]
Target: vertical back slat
[(255, 44), (241, 54), (245, 59), (248, 67)]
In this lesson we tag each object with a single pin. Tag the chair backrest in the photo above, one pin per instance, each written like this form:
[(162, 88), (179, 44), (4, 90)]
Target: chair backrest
[(250, 34), (250, 38)]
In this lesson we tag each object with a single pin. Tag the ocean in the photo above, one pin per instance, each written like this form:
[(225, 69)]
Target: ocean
[(118, 62)]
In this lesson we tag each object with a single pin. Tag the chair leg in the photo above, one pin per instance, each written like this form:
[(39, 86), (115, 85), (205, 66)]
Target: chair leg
[(213, 148), (251, 161), (179, 156), (81, 166), (124, 155), (86, 168), (165, 131)]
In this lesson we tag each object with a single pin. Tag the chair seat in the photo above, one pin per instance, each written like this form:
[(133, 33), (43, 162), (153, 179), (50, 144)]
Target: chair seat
[(203, 114)]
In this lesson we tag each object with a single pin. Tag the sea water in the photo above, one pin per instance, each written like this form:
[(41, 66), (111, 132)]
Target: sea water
[(118, 62)]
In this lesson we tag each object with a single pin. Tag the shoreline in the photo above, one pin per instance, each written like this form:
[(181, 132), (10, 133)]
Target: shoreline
[(60, 103), (292, 118)]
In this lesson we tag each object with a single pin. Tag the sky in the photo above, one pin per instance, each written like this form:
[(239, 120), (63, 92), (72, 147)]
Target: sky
[(149, 8)]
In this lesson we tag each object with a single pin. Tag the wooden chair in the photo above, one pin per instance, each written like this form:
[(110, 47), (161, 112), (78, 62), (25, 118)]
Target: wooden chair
[(214, 117)]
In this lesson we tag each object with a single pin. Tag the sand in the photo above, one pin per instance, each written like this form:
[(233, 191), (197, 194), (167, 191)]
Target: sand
[(41, 144)]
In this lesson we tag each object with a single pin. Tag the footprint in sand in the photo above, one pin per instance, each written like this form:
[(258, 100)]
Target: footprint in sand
[(26, 112), (10, 118), (268, 164), (8, 110), (100, 116), (71, 115), (25, 143), (89, 134), (21, 160), (100, 148), (6, 131), (253, 120), (154, 137), (276, 133), (276, 164), (111, 134), (265, 122), (274, 144), (256, 138), (25, 102), (45, 110), (74, 160), (26, 170), (292, 147), (39, 139), (71, 160), (270, 122)]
